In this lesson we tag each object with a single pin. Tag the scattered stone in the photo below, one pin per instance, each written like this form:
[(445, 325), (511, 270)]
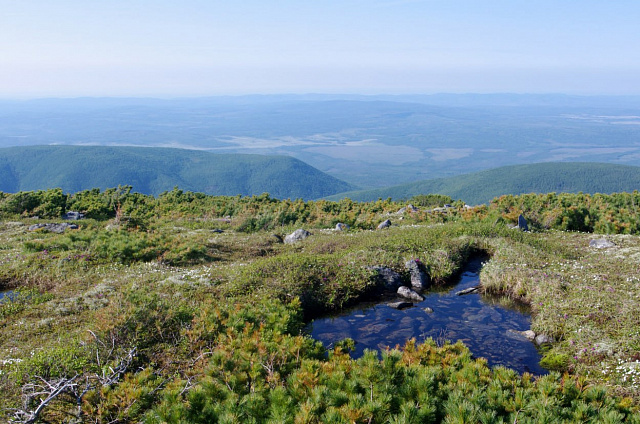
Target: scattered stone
[(296, 236), (601, 243), (54, 228), (400, 305), (470, 290), (73, 215), (529, 334), (388, 277), (384, 224), (428, 310), (419, 278), (406, 292), (603, 348), (341, 226), (543, 339)]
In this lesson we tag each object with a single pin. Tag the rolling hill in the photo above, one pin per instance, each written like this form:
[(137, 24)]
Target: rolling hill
[(154, 170), (481, 187)]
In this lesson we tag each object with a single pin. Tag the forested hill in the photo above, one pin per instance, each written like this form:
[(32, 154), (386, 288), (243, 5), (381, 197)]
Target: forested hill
[(481, 187), (154, 170)]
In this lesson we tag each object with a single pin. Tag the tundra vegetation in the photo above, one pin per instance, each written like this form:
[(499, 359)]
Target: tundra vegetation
[(186, 308)]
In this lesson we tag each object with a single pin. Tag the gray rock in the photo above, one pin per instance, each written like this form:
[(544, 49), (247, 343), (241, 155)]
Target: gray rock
[(543, 339), (419, 278), (601, 243), (54, 228), (73, 215), (428, 310), (296, 236), (470, 290), (529, 334), (407, 293), (387, 277), (400, 305), (522, 223), (384, 224), (341, 227)]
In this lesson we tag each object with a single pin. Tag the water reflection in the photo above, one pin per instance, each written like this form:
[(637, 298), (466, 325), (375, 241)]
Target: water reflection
[(486, 325)]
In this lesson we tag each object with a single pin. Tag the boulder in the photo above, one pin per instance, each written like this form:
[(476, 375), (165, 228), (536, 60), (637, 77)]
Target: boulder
[(522, 223), (400, 305), (407, 293), (384, 224), (529, 334), (296, 236), (341, 227), (73, 215), (419, 278), (543, 339), (390, 279), (601, 243), (428, 310)]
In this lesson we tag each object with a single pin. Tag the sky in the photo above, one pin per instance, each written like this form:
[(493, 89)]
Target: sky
[(159, 48)]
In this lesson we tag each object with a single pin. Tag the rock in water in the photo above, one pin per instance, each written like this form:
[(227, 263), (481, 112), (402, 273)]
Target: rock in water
[(601, 243), (419, 278), (296, 236), (384, 224), (400, 305), (406, 292), (341, 227), (543, 339), (470, 290), (387, 277)]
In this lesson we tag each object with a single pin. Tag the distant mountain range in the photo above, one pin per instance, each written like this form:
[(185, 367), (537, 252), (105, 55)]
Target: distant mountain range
[(481, 187), (154, 170)]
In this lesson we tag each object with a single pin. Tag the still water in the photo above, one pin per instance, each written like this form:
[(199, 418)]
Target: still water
[(486, 327)]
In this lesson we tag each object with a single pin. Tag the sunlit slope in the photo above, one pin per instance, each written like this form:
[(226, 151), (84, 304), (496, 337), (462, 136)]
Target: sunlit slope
[(481, 187), (154, 170)]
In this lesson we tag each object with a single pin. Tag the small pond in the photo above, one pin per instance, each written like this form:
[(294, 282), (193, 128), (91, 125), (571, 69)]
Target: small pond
[(6, 293), (487, 327)]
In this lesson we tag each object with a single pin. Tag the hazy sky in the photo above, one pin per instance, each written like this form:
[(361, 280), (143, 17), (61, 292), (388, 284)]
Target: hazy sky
[(198, 48)]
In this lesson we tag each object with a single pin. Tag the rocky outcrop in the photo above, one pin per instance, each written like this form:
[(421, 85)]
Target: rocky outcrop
[(296, 236), (387, 277), (407, 293), (54, 228), (341, 227), (384, 224), (419, 278), (601, 243)]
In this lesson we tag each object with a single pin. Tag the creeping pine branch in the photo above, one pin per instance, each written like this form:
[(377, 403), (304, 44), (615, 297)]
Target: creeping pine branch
[(46, 391)]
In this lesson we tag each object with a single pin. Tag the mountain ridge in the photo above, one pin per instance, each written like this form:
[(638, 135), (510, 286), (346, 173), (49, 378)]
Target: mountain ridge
[(152, 170)]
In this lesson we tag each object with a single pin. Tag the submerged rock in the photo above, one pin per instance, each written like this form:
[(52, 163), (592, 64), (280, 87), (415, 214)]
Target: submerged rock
[(407, 293), (428, 310), (419, 278), (296, 236), (400, 305), (470, 290)]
